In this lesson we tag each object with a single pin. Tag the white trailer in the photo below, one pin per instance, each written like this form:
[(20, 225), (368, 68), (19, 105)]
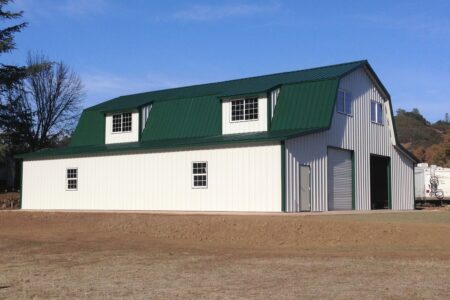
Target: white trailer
[(431, 182)]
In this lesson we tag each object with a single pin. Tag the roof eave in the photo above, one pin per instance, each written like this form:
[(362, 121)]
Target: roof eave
[(406, 152)]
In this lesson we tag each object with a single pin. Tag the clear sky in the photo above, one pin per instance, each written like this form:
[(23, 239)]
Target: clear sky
[(124, 47)]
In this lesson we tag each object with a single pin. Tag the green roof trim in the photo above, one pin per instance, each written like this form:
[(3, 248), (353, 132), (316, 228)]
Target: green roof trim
[(229, 139)]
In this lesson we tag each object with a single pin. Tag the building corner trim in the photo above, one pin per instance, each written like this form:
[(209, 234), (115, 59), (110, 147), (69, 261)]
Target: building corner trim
[(283, 176), (21, 183)]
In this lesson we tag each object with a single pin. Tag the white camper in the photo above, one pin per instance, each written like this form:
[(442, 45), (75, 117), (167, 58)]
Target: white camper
[(431, 182)]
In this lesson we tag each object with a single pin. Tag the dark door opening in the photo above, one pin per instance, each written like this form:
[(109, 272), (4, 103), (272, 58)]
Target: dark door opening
[(380, 182)]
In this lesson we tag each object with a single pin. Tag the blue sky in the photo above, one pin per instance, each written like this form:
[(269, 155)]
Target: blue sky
[(124, 47)]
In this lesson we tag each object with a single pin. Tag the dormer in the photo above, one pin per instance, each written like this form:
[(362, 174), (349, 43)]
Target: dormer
[(244, 114), (122, 127)]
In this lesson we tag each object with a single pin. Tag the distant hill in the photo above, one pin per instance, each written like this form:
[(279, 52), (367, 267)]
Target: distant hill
[(428, 142)]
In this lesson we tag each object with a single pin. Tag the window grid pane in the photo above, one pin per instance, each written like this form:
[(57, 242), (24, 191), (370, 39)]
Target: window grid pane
[(126, 122), (72, 184), (251, 109), (117, 123), (237, 110), (199, 180), (71, 173)]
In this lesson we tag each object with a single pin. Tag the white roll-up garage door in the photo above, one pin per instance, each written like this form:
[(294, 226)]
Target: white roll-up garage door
[(339, 179)]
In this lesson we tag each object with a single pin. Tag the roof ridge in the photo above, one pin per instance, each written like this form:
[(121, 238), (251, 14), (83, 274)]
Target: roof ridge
[(214, 86), (250, 77)]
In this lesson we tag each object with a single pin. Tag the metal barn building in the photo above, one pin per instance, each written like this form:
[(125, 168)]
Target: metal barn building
[(311, 140)]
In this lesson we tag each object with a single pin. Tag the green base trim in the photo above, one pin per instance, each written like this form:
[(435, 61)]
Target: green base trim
[(389, 178), (283, 177), (21, 183), (353, 182)]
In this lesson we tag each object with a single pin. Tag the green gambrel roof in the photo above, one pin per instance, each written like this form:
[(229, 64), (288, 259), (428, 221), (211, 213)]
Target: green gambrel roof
[(231, 87), (192, 116)]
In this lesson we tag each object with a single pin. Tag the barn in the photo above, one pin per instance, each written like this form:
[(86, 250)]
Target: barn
[(319, 139)]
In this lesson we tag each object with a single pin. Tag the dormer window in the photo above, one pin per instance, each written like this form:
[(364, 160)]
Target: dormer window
[(121, 122), (244, 109)]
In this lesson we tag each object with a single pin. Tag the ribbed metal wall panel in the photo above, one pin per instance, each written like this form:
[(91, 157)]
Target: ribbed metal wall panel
[(355, 133), (240, 178)]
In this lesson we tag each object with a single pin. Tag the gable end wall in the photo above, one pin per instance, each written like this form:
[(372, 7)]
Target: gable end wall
[(355, 133)]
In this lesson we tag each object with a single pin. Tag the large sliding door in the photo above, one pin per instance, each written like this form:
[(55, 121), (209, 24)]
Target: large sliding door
[(339, 179)]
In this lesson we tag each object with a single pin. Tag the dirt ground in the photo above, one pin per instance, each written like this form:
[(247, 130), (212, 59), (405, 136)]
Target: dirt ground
[(217, 256)]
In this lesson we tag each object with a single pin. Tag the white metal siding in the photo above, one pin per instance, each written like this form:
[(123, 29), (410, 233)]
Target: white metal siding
[(339, 179), (230, 127), (240, 178), (356, 133), (122, 137)]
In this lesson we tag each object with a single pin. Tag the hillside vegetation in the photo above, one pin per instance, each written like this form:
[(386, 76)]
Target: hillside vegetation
[(428, 142)]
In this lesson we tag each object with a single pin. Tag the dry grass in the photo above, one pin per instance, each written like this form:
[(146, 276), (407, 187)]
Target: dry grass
[(94, 255)]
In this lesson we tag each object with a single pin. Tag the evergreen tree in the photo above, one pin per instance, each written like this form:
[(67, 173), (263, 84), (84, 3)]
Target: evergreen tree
[(9, 75)]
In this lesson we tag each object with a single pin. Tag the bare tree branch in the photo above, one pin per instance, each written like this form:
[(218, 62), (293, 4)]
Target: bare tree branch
[(57, 94), (43, 107)]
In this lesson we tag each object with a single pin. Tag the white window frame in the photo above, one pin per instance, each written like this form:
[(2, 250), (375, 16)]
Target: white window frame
[(121, 123), (199, 174), (243, 99), (347, 97), (378, 108), (67, 179)]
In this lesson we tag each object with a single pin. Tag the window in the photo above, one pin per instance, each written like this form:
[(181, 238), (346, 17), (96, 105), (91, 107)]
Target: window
[(199, 174), (121, 122), (244, 109), (376, 112), (72, 179), (117, 123), (344, 102)]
